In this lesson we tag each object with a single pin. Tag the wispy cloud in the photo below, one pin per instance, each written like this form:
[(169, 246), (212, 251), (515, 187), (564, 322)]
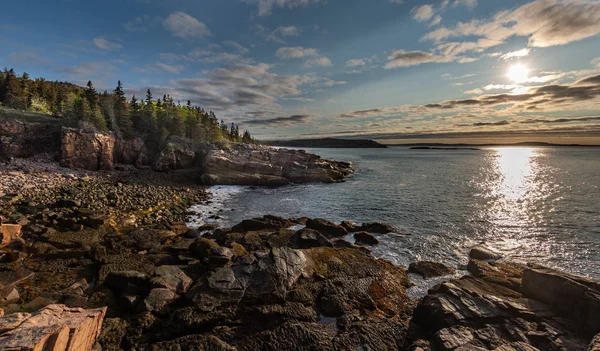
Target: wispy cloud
[(295, 52), (104, 44), (266, 6), (519, 53), (182, 25)]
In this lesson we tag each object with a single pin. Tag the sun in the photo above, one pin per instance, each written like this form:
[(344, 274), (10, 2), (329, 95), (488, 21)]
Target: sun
[(518, 73)]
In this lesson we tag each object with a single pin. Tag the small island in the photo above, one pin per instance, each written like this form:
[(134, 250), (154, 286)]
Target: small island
[(332, 143)]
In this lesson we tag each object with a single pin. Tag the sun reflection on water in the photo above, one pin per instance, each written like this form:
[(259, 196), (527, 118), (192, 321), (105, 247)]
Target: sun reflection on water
[(514, 192)]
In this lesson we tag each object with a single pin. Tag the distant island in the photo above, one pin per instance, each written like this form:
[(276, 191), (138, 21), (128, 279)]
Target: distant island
[(327, 143), (443, 148)]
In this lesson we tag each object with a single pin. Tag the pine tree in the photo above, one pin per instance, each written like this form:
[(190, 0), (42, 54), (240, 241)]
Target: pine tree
[(121, 112), (91, 95)]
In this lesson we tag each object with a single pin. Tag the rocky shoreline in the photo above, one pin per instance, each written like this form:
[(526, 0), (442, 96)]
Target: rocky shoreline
[(151, 283)]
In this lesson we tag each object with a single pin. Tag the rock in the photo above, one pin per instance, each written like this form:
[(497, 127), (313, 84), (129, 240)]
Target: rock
[(130, 152), (8, 295), (178, 153), (90, 151), (309, 238), (172, 278), (127, 282), (12, 321), (203, 247), (482, 253), (378, 228), (430, 269), (194, 342), (158, 299), (9, 233), (326, 228), (220, 256), (575, 297), (243, 164), (56, 327), (365, 238), (453, 337)]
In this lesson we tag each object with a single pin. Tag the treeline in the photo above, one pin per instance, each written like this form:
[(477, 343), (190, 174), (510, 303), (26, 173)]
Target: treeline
[(153, 120)]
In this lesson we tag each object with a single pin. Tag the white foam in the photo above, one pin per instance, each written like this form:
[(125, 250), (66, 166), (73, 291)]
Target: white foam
[(213, 211)]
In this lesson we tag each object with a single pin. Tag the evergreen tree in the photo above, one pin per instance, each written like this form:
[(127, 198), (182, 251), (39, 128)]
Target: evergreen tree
[(121, 112)]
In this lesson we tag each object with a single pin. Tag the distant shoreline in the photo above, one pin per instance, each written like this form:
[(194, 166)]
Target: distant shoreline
[(525, 144)]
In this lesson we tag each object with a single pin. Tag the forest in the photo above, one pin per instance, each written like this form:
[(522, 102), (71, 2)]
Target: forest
[(153, 120)]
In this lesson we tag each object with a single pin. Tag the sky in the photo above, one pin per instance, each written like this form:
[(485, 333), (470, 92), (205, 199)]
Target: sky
[(383, 69)]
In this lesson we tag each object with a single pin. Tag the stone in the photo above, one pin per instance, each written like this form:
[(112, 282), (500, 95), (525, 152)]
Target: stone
[(158, 299), (220, 256), (56, 327), (9, 233), (127, 282), (556, 288), (202, 247), (327, 228), (453, 337), (365, 238), (483, 253), (172, 278), (8, 295), (430, 269), (378, 228), (308, 238), (12, 321)]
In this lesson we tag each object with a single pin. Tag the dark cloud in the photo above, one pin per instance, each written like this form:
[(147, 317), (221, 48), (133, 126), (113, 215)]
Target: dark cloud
[(485, 124), (280, 121), (536, 98)]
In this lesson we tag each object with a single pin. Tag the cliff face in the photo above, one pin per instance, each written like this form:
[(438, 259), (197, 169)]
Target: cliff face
[(22, 139)]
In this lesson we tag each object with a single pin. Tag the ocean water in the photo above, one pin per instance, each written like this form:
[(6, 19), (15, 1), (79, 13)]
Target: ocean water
[(531, 204)]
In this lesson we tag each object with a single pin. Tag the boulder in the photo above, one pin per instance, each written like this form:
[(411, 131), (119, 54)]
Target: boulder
[(365, 238), (8, 233), (177, 154), (202, 247), (308, 238), (130, 152), (158, 299), (378, 228), (327, 228), (483, 253), (595, 344), (172, 278), (85, 150), (430, 269), (56, 327), (575, 297), (127, 282)]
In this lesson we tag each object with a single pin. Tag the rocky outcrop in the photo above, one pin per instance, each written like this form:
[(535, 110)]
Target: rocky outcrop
[(90, 151), (178, 153), (508, 306), (429, 269), (242, 164), (55, 327), (131, 152)]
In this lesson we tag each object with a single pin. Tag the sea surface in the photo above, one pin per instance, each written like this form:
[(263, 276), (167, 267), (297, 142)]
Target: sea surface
[(537, 204)]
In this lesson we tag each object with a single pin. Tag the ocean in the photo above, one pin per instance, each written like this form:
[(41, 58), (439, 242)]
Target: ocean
[(532, 204)]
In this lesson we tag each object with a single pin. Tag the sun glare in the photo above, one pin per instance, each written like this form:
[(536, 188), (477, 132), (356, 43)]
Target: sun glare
[(518, 73)]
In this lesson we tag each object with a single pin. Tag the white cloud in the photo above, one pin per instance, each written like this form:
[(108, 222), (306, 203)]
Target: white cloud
[(106, 45), (423, 13), (266, 6), (159, 66), (182, 25), (355, 63), (435, 21), (295, 52), (279, 34), (320, 62), (518, 53), (545, 22)]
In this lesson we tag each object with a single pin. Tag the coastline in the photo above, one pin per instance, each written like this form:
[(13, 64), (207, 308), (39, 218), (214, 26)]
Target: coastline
[(166, 286)]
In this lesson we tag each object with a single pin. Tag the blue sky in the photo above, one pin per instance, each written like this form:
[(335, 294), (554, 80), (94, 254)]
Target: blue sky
[(293, 68)]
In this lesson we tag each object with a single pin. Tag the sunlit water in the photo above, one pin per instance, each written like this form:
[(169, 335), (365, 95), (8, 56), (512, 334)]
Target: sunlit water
[(532, 204)]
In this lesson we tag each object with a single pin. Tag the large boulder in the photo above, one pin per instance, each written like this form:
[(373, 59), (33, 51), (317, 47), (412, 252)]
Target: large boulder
[(177, 154), (86, 150), (575, 297), (131, 152), (430, 269), (327, 228)]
